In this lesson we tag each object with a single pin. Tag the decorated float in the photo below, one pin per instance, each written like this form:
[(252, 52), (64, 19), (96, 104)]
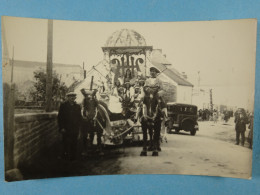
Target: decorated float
[(116, 82)]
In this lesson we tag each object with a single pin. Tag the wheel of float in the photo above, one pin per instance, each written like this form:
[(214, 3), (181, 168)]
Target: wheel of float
[(107, 126)]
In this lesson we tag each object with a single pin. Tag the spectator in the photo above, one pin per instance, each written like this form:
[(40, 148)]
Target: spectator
[(251, 131), (69, 121), (241, 120)]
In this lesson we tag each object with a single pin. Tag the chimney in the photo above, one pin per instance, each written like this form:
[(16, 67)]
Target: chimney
[(84, 71), (85, 74)]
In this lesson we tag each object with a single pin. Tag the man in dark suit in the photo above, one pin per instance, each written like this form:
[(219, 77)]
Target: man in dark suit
[(69, 120), (241, 120)]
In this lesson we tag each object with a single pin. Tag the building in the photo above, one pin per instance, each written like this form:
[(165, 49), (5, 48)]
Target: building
[(176, 84), (24, 71), (23, 74)]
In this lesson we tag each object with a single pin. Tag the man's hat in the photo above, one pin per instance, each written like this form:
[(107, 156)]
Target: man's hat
[(71, 94), (154, 69)]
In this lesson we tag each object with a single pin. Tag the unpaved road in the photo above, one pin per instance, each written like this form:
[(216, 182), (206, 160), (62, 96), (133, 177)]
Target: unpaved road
[(211, 152)]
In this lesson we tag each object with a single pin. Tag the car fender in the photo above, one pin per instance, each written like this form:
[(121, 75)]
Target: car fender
[(188, 119)]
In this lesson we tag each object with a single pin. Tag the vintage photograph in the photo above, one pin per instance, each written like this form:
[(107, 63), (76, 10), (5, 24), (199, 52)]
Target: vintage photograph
[(109, 98)]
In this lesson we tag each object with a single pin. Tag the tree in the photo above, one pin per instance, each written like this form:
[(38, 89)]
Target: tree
[(59, 89)]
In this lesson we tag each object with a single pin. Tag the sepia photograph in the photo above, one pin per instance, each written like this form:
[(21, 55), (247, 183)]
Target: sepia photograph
[(110, 98)]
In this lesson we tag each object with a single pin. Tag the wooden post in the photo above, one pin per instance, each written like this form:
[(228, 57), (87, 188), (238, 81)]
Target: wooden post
[(211, 100), (48, 107), (9, 101), (9, 125)]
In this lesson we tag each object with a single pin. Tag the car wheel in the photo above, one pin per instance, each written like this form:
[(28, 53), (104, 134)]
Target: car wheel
[(177, 130), (193, 132), (169, 130)]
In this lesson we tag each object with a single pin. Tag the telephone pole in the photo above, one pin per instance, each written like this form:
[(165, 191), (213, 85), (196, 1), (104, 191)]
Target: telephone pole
[(48, 107), (211, 100)]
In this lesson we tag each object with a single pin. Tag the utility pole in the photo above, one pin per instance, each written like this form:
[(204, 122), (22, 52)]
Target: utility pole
[(9, 103), (198, 83), (211, 100), (48, 107)]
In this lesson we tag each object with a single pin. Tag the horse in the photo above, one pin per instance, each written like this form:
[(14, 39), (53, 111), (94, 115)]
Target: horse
[(93, 121), (151, 120)]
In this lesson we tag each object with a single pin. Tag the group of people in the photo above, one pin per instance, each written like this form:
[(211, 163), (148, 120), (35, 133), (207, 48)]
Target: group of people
[(204, 114), (129, 88), (242, 119), (144, 95), (208, 115)]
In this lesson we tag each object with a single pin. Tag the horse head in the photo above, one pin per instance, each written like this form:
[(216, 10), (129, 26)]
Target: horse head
[(90, 103)]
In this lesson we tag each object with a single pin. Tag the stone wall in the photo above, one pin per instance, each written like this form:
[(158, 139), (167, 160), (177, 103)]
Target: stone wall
[(33, 134)]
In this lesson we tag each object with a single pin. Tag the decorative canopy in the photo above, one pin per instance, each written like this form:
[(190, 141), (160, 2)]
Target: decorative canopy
[(126, 41), (125, 38)]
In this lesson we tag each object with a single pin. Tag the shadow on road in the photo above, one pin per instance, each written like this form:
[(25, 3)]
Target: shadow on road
[(51, 165)]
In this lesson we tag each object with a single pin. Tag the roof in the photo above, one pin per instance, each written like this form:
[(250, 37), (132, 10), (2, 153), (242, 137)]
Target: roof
[(172, 74), (29, 64), (125, 38), (159, 61), (158, 57)]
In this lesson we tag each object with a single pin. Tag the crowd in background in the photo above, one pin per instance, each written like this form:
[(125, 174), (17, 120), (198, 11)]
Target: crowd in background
[(243, 119)]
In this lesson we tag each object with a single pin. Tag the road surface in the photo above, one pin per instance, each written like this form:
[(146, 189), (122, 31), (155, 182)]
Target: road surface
[(212, 151)]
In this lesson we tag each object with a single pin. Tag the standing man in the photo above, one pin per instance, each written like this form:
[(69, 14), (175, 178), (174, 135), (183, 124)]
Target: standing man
[(241, 120), (69, 120), (251, 131), (158, 106)]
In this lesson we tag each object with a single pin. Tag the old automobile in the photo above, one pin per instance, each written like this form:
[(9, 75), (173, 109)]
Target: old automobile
[(182, 117)]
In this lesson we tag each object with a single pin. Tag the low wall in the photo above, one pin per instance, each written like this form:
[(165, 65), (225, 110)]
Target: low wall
[(33, 134)]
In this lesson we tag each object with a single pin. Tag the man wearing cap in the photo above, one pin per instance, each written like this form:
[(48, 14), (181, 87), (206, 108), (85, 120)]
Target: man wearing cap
[(69, 121), (240, 125), (153, 82), (153, 87)]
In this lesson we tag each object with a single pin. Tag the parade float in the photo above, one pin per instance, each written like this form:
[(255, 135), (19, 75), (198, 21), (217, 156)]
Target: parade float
[(125, 50)]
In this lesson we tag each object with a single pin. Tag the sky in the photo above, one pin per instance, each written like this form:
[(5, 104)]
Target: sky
[(223, 52)]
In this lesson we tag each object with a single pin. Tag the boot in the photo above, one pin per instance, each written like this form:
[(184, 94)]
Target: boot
[(155, 153), (150, 148), (143, 153)]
